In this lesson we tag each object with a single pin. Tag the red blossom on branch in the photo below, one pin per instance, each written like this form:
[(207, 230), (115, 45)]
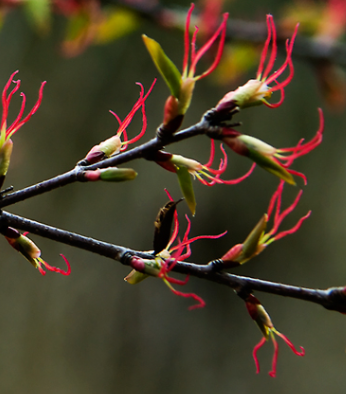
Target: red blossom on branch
[(257, 91), (114, 144), (276, 161), (140, 103)]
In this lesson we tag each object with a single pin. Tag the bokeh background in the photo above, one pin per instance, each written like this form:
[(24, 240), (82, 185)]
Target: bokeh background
[(93, 333)]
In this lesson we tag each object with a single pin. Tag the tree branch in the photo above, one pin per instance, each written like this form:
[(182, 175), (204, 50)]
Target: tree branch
[(333, 298), (76, 174)]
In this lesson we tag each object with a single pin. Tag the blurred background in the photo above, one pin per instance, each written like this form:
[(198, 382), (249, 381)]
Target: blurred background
[(93, 333)]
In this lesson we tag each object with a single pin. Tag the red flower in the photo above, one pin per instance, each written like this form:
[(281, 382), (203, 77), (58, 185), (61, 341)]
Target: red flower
[(256, 91)]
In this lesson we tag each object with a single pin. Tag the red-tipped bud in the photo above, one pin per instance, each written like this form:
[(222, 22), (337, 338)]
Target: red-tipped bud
[(252, 246), (104, 150), (170, 110), (111, 174), (259, 315)]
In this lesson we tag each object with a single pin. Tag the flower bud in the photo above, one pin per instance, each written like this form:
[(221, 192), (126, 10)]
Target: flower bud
[(111, 174), (241, 253), (23, 245), (104, 150), (259, 315)]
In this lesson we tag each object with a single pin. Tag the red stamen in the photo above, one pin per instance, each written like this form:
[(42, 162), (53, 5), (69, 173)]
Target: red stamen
[(264, 51), (293, 229), (19, 116), (212, 153), (276, 105), (17, 123), (240, 179), (288, 61), (187, 40), (273, 200), (271, 26), (6, 101), (280, 217), (254, 353), (300, 353), (221, 30), (193, 48), (300, 174), (272, 373), (56, 269)]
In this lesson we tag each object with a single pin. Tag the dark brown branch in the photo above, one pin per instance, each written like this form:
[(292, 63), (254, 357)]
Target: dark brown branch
[(76, 174), (332, 298)]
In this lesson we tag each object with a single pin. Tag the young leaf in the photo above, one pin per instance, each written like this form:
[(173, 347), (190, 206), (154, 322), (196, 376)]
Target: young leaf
[(164, 64), (185, 183), (271, 166)]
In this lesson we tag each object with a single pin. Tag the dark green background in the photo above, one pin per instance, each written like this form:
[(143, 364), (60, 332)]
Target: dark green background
[(93, 333)]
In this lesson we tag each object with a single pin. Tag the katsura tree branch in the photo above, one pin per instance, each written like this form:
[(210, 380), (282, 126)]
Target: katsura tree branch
[(332, 298), (76, 174)]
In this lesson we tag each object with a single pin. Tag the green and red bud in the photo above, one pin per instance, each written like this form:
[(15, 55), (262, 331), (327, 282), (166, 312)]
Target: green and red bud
[(251, 247), (251, 94), (111, 174), (142, 268), (172, 119), (31, 252), (23, 245), (257, 91), (259, 315), (104, 150)]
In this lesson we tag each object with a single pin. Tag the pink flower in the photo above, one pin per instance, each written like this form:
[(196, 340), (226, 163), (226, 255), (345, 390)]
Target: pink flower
[(257, 91)]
